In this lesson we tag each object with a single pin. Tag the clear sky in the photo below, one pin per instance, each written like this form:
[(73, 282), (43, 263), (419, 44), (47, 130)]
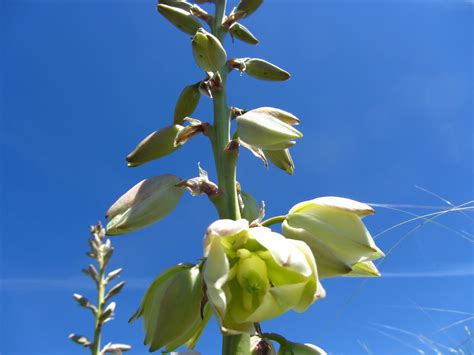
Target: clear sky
[(384, 92)]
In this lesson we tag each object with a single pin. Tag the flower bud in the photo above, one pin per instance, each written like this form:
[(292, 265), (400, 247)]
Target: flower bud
[(187, 103), (208, 51), (180, 18), (177, 3), (250, 208), (171, 308), (333, 229), (242, 33), (254, 274), (281, 159), (248, 6), (266, 131), (147, 202), (156, 145), (283, 116), (263, 70), (290, 348)]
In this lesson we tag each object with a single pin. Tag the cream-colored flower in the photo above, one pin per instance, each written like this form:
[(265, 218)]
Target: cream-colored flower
[(255, 274), (339, 240)]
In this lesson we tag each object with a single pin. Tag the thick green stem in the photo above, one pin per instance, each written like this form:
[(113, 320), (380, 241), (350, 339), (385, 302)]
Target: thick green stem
[(226, 162), (236, 344), (95, 348)]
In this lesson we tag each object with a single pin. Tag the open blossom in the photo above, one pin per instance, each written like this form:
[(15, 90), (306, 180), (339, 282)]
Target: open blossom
[(255, 274), (339, 240)]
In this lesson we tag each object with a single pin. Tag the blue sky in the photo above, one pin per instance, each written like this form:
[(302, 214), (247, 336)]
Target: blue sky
[(383, 89)]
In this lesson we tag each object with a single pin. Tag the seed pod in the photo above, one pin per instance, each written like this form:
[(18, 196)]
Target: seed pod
[(248, 6), (242, 33), (281, 159), (208, 51), (154, 146), (263, 70), (187, 103), (186, 6), (180, 18)]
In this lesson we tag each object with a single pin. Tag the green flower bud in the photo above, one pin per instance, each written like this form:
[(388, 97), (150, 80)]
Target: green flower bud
[(180, 18), (263, 70), (281, 159), (333, 229), (254, 274), (187, 103), (156, 145), (186, 6), (290, 348), (248, 6), (266, 131), (208, 51), (250, 208), (147, 202), (171, 308), (242, 33)]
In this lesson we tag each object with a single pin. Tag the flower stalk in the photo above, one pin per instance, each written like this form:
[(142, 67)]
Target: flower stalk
[(226, 167), (249, 273)]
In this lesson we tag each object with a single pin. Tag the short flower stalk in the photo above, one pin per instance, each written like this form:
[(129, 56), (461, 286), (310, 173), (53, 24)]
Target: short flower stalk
[(101, 251)]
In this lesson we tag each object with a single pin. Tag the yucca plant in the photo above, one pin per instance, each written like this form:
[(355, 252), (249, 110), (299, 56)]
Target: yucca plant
[(248, 273)]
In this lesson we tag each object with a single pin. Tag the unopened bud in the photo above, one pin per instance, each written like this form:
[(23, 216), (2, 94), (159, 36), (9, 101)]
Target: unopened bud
[(208, 51), (182, 19), (284, 116), (154, 146), (263, 70), (281, 159), (291, 348), (265, 131), (147, 202), (177, 3), (248, 6), (171, 308), (187, 103), (242, 33)]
